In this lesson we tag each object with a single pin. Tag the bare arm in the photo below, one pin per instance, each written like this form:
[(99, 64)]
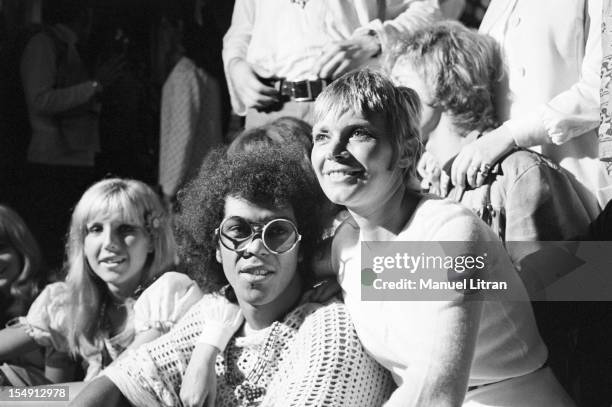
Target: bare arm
[(444, 380), (144, 337), (15, 341), (60, 367), (101, 392)]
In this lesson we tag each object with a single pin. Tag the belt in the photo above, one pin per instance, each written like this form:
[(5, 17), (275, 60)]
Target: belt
[(301, 91)]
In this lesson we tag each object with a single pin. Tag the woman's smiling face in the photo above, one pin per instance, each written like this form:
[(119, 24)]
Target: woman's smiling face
[(353, 158), (117, 250)]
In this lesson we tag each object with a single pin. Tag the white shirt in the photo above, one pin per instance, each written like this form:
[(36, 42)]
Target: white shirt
[(553, 54), (279, 38), (403, 335)]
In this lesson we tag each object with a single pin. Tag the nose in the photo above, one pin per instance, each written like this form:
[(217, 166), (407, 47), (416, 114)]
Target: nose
[(110, 240), (256, 247), (337, 150)]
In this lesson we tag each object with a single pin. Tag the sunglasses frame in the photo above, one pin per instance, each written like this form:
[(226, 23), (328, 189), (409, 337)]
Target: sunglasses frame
[(254, 234)]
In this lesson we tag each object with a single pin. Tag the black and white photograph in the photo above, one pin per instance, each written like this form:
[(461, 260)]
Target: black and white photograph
[(306, 203)]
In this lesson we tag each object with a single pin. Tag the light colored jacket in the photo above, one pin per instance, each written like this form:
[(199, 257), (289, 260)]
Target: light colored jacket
[(553, 54)]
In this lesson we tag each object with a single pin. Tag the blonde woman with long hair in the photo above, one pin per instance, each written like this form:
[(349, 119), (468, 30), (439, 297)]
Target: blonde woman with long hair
[(120, 241)]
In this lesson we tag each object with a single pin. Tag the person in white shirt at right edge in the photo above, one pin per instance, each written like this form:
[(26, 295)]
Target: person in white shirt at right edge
[(551, 104)]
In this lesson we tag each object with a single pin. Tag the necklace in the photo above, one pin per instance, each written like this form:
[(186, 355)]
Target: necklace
[(247, 390), (301, 3)]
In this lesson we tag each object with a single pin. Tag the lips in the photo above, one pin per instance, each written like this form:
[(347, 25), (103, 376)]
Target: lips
[(111, 261), (255, 273), (343, 173)]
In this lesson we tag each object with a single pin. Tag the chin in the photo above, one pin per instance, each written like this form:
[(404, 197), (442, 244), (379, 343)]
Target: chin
[(254, 297)]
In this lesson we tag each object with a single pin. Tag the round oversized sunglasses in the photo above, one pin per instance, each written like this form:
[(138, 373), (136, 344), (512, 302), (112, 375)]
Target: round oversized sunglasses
[(278, 235)]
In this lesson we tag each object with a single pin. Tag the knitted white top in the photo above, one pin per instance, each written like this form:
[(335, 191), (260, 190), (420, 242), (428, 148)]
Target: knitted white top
[(312, 357)]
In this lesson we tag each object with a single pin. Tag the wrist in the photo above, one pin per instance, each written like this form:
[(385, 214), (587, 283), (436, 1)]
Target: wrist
[(373, 43)]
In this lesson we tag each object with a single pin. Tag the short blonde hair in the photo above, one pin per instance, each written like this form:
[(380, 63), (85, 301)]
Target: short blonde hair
[(459, 66), (370, 92)]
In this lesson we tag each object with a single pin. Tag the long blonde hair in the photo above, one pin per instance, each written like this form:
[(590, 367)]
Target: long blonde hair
[(137, 203), (14, 232)]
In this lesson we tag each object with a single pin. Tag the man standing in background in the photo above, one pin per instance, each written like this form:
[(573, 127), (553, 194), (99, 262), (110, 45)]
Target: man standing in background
[(279, 54)]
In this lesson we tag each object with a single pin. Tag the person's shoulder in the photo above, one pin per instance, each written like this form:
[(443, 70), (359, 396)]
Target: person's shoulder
[(171, 280), (522, 160), (40, 38), (537, 173), (442, 219), (58, 292), (185, 66), (435, 209), (346, 232), (168, 285), (328, 314)]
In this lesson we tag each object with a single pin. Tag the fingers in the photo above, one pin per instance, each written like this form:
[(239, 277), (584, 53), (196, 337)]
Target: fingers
[(422, 165), (444, 184), (434, 181), (327, 54), (337, 59), (459, 169), (344, 67), (471, 174), (429, 169), (479, 180), (259, 96), (329, 67)]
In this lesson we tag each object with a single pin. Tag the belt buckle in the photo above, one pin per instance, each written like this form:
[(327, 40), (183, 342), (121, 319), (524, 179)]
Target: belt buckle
[(295, 85)]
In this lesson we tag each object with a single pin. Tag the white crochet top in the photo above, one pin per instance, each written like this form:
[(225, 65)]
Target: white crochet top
[(311, 358)]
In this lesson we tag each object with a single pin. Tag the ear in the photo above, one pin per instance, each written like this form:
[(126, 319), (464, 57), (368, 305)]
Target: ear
[(218, 255)]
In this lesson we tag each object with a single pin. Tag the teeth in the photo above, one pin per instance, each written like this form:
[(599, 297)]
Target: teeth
[(341, 175), (342, 172), (257, 272), (115, 261)]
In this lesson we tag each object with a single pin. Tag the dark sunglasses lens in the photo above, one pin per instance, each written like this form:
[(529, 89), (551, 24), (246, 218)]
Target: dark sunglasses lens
[(280, 235)]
